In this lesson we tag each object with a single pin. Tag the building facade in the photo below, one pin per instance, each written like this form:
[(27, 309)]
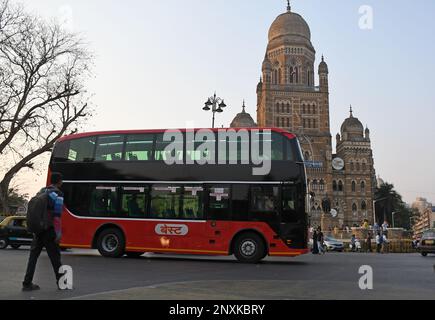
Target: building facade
[(288, 98), (426, 216)]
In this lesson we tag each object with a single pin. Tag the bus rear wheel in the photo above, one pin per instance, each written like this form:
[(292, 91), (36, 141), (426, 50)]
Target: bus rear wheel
[(249, 248), (111, 243)]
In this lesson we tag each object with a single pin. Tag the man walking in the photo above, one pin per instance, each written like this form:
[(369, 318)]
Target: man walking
[(369, 243), (49, 238), (379, 240), (320, 241)]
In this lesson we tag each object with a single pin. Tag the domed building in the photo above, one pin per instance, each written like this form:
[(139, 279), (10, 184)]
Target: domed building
[(289, 98), (243, 119)]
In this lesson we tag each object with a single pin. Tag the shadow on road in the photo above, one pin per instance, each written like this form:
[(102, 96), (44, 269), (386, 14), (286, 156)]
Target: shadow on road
[(215, 260)]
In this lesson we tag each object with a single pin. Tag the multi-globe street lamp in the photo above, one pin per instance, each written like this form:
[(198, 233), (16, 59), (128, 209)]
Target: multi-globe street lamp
[(215, 104)]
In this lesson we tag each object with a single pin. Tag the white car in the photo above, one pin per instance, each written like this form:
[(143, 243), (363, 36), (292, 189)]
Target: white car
[(334, 244)]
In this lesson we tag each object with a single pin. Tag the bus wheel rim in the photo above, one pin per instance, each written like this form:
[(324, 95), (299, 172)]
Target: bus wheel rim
[(110, 243), (248, 248), (2, 243)]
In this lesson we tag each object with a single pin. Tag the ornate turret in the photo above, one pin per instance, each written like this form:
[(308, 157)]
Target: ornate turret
[(323, 75)]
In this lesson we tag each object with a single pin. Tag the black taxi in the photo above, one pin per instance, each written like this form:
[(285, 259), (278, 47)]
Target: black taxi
[(13, 232)]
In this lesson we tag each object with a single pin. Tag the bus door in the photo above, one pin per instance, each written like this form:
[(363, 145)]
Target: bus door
[(177, 217), (218, 214), (293, 217)]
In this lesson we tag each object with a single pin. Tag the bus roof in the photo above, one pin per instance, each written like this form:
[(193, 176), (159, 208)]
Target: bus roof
[(114, 132)]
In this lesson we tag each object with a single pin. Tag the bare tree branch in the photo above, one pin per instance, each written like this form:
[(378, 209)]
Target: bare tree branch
[(43, 71)]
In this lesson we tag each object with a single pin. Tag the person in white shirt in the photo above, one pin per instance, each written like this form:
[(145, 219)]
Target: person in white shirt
[(385, 243), (379, 239)]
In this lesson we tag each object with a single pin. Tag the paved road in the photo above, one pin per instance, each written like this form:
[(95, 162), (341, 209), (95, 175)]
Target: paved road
[(333, 276)]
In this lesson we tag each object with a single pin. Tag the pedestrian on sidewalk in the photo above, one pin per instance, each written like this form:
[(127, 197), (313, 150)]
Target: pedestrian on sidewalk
[(369, 243), (48, 238), (353, 243), (315, 244), (320, 241), (379, 240)]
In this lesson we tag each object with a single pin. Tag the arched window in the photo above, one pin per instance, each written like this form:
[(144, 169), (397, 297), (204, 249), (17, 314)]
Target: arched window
[(363, 206), (307, 156), (279, 76), (354, 208), (364, 166), (358, 167), (291, 75), (363, 187), (353, 186), (314, 109), (275, 77), (308, 77), (297, 74), (352, 166), (277, 107), (288, 108), (334, 186), (304, 110), (340, 186), (322, 185), (315, 185)]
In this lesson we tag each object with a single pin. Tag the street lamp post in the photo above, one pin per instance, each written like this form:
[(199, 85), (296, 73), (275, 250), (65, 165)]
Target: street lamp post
[(393, 214), (215, 104)]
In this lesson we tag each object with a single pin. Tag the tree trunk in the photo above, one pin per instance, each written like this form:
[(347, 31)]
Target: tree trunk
[(4, 203)]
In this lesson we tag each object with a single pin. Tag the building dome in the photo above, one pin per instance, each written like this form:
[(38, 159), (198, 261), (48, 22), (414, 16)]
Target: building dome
[(243, 120), (352, 127), (289, 24)]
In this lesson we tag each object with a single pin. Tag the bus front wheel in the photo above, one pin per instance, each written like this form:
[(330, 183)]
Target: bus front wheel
[(111, 243), (249, 248)]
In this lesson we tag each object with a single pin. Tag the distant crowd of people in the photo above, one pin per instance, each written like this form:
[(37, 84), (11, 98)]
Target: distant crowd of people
[(378, 233)]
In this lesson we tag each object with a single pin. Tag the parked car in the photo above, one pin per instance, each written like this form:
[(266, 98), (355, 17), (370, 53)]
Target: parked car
[(334, 244), (427, 243), (13, 232)]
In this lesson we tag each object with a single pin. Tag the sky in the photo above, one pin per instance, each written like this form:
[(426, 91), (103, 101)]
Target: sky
[(157, 62)]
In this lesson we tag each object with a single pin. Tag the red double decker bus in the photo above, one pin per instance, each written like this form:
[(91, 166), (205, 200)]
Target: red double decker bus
[(122, 197)]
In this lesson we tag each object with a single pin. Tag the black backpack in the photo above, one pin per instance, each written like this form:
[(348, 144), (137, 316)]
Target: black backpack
[(37, 213)]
